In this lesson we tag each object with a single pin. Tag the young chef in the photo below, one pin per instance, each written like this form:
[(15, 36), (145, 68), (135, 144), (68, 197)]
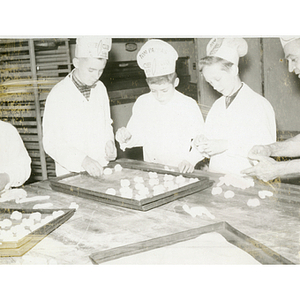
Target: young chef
[(14, 159), (77, 125), (240, 118), (163, 121), (268, 168)]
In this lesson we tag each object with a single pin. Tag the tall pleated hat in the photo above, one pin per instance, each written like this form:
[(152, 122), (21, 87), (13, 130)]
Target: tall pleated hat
[(157, 58), (93, 46), (288, 39), (230, 49)]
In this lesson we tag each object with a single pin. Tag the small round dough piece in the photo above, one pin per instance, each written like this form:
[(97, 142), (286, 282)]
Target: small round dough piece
[(253, 202), (138, 179), (229, 194), (111, 191), (125, 182), (16, 215), (118, 168), (153, 175), (217, 190), (107, 171)]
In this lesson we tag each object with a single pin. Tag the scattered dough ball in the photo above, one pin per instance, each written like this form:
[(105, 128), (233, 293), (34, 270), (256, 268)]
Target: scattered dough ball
[(126, 192), (229, 194), (216, 190), (27, 222), (111, 191), (74, 205), (138, 179), (192, 180), (253, 202), (168, 177), (17, 228), (6, 223), (153, 181), (37, 216), (263, 194), (125, 183), (180, 179), (57, 213), (153, 175), (107, 171), (140, 197), (16, 215), (158, 189), (139, 186), (118, 168), (144, 191)]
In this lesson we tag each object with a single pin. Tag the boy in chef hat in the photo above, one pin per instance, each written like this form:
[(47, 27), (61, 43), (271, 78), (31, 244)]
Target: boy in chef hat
[(77, 125), (240, 118), (163, 121)]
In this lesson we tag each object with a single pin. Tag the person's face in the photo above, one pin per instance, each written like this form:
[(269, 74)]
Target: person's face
[(223, 81), (162, 92), (89, 70), (292, 54)]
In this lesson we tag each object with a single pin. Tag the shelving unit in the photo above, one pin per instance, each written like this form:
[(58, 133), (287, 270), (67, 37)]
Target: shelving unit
[(29, 69)]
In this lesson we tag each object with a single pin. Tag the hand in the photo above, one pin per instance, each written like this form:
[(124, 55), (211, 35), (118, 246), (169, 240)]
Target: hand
[(110, 151), (185, 167), (199, 142), (266, 169), (212, 147), (4, 180), (258, 151), (123, 135), (92, 167)]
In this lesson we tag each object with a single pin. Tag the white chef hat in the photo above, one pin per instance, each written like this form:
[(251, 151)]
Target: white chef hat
[(287, 39), (230, 49), (157, 58), (93, 46)]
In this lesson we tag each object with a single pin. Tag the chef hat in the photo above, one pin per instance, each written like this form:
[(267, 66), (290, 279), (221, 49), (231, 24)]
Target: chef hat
[(157, 58), (93, 46), (230, 49), (287, 39)]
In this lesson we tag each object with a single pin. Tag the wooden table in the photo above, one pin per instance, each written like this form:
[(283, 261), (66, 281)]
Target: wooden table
[(96, 226)]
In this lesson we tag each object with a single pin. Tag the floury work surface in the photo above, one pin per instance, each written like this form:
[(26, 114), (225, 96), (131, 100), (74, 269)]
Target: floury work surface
[(97, 227)]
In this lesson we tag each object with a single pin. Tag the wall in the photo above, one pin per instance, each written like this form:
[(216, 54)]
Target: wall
[(282, 88)]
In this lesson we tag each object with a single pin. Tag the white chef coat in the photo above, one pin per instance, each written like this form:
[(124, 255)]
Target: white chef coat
[(165, 131), (249, 120), (74, 127), (14, 159)]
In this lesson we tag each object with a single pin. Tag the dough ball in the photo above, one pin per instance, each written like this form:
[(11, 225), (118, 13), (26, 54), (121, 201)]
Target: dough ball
[(193, 180), (180, 180), (74, 205), (153, 175), (111, 191), (107, 171), (216, 190), (118, 168), (253, 202), (168, 177), (153, 181), (57, 213), (263, 194), (138, 179), (229, 194), (27, 222), (37, 216), (6, 223), (139, 186), (125, 183), (158, 189), (16, 215), (126, 192)]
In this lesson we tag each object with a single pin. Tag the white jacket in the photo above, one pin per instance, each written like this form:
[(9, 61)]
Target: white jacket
[(74, 127), (165, 131), (14, 159), (249, 120)]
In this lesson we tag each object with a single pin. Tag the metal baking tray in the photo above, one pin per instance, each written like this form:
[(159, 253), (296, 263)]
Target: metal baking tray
[(257, 250), (21, 246), (85, 186)]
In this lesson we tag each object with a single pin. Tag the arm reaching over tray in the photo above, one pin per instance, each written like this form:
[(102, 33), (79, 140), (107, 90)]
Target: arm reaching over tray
[(269, 169)]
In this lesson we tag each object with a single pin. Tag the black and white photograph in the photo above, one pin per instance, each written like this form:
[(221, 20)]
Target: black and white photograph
[(124, 152)]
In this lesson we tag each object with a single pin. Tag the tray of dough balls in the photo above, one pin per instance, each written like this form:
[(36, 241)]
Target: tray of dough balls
[(131, 187), (22, 229)]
